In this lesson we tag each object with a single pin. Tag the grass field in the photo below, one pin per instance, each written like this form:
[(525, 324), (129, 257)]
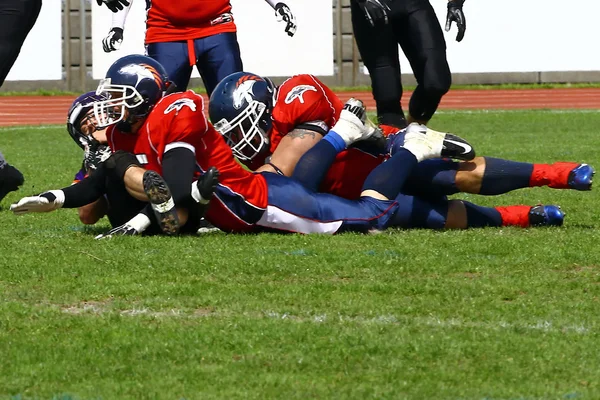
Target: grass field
[(481, 314)]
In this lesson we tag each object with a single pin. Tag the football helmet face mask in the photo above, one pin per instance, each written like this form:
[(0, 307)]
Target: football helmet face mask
[(133, 85), (240, 108), (81, 122)]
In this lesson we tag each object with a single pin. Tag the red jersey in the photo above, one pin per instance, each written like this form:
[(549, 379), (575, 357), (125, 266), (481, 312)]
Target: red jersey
[(305, 100), (178, 120), (178, 20)]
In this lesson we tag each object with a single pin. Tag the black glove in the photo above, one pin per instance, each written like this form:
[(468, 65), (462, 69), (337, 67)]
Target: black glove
[(114, 5), (375, 11), (283, 13), (95, 154), (113, 40), (455, 13)]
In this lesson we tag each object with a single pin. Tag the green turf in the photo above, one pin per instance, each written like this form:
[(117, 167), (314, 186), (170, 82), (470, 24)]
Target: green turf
[(483, 314)]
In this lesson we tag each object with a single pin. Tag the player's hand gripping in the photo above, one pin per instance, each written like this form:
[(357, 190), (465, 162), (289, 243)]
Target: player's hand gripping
[(113, 40), (123, 230), (455, 13), (283, 13), (94, 155), (114, 5), (376, 11), (44, 202)]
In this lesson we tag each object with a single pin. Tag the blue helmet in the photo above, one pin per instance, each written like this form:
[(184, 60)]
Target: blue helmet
[(78, 113), (134, 82), (240, 108)]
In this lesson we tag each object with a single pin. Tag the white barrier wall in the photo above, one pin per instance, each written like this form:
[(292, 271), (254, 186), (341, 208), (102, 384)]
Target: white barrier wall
[(41, 54), (266, 49), (523, 36), (507, 36)]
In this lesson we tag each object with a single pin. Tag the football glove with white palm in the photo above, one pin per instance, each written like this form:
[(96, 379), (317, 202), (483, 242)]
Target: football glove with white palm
[(44, 202), (113, 40)]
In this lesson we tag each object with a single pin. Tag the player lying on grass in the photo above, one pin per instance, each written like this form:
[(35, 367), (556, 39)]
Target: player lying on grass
[(269, 128), (82, 129), (170, 135)]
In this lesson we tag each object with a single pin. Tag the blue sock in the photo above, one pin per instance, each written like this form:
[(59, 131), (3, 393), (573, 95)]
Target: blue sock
[(502, 176), (389, 177), (314, 164), (480, 217)]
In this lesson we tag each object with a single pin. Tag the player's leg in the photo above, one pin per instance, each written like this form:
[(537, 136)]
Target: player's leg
[(490, 176), (17, 17), (379, 52), (422, 41), (217, 57), (416, 212), (174, 57), (10, 178)]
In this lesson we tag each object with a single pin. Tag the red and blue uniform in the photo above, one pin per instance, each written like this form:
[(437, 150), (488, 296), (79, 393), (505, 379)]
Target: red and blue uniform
[(304, 99), (243, 201), (184, 33)]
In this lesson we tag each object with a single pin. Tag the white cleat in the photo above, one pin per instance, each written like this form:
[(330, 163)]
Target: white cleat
[(427, 143)]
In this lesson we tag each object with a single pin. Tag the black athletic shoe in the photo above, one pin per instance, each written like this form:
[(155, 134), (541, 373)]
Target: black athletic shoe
[(162, 202), (10, 180)]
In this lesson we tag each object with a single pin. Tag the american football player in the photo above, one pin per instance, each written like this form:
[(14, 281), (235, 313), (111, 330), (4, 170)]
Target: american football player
[(181, 34), (169, 135), (380, 28), (278, 125)]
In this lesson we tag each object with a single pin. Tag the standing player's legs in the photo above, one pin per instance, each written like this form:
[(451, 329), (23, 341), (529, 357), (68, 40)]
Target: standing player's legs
[(17, 17), (422, 41), (174, 57), (379, 52), (217, 57)]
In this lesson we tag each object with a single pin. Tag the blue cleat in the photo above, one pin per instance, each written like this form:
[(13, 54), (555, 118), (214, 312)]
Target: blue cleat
[(580, 178), (546, 216)]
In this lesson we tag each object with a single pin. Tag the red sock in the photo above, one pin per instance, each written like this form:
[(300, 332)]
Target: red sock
[(514, 215), (553, 175)]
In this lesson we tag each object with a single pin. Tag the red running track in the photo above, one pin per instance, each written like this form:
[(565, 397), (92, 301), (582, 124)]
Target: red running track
[(46, 110)]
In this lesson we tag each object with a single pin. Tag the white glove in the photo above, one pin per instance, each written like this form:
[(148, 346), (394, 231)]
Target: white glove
[(283, 13), (134, 226), (45, 202), (113, 40)]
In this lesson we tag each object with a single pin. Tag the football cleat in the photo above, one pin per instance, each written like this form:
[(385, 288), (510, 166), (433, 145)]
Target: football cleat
[(550, 215), (162, 202), (10, 180), (580, 178), (429, 143)]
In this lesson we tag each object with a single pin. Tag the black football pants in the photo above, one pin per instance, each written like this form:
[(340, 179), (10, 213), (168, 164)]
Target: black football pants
[(17, 17), (415, 27)]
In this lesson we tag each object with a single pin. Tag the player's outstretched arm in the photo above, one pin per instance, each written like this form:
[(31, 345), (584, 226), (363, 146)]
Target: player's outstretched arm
[(85, 192), (113, 40), (283, 13), (455, 14)]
